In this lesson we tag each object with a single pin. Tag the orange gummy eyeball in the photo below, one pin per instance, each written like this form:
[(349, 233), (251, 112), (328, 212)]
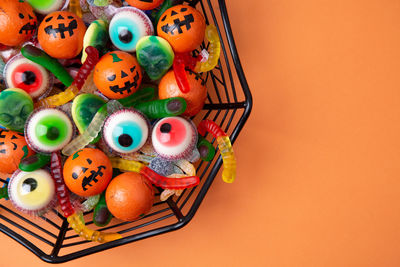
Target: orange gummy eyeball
[(87, 172), (145, 4), (129, 196), (117, 75), (195, 98), (183, 27), (61, 34), (17, 22), (13, 148)]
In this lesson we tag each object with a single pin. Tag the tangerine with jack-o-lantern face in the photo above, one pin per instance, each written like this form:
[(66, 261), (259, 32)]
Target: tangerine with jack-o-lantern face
[(145, 4), (87, 172), (117, 75), (13, 148), (183, 27), (17, 22), (61, 34)]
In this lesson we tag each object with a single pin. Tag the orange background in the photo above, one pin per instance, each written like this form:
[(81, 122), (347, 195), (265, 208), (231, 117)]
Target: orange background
[(318, 177)]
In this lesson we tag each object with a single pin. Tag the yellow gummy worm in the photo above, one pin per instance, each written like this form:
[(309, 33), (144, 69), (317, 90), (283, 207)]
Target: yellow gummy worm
[(78, 224), (228, 158), (58, 99), (75, 7), (214, 50), (127, 165)]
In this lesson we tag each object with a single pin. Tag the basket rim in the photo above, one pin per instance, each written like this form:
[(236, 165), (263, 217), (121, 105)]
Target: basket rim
[(247, 105)]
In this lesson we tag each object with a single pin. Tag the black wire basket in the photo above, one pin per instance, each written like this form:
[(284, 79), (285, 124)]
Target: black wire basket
[(50, 238)]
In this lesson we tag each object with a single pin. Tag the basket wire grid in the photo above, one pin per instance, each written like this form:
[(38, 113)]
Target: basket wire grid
[(50, 238)]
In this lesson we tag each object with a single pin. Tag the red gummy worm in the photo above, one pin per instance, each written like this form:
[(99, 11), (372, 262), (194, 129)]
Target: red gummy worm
[(169, 183), (211, 127), (87, 67), (181, 77), (61, 188)]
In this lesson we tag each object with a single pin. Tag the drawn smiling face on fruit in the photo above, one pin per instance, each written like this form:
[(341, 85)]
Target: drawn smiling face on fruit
[(183, 27), (87, 172), (61, 34), (13, 148), (17, 22), (117, 75)]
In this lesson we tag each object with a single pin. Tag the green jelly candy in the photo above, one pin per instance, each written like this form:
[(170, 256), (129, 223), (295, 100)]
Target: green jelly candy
[(162, 108), (46, 6), (101, 215), (84, 107), (155, 55), (15, 107), (144, 94), (206, 149), (97, 36), (34, 162)]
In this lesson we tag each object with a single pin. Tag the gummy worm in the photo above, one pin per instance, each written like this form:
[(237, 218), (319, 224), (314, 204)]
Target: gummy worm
[(143, 95), (90, 203), (91, 132), (51, 64), (162, 108), (225, 147), (75, 7), (61, 188), (153, 177), (181, 61), (34, 162), (214, 50), (74, 219), (69, 94)]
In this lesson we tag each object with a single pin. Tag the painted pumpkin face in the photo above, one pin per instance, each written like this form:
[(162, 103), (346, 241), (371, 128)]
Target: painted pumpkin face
[(117, 75), (13, 148), (87, 172), (145, 4), (61, 34), (195, 98), (17, 22), (183, 27)]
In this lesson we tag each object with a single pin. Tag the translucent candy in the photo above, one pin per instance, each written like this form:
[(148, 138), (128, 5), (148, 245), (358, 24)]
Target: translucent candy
[(90, 203), (162, 108), (78, 224), (225, 147), (214, 50), (75, 7), (228, 158), (153, 177), (88, 135), (58, 99)]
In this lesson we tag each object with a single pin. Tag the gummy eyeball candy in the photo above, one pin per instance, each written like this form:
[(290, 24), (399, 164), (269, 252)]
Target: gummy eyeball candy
[(24, 74), (87, 172), (17, 22), (15, 107), (155, 55), (32, 192), (125, 131), (61, 34), (48, 130), (117, 75), (46, 6), (13, 148), (174, 137), (128, 26), (145, 4), (183, 27)]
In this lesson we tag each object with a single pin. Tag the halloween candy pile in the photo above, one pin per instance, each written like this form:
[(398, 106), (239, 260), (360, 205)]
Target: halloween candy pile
[(95, 106)]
